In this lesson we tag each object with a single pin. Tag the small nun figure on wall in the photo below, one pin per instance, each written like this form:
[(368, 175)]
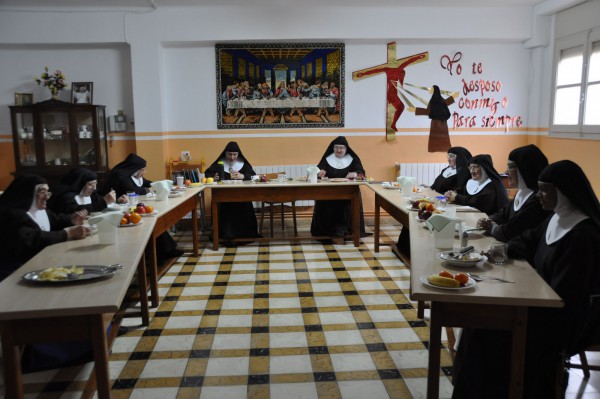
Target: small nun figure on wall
[(438, 112)]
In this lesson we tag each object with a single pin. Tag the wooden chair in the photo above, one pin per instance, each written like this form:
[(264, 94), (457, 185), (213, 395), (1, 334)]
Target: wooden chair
[(283, 207)]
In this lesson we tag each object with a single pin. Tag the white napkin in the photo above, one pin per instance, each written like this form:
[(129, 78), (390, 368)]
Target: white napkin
[(110, 218), (437, 222), (162, 188), (312, 172), (406, 184)]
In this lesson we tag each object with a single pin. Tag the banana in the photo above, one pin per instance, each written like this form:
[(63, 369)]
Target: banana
[(443, 281)]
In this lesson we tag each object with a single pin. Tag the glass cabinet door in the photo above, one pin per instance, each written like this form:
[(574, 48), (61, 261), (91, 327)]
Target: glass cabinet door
[(26, 138), (85, 132), (57, 138), (102, 133)]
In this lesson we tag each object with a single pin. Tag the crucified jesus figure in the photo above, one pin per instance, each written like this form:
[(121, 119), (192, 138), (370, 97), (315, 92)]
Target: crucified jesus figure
[(394, 71)]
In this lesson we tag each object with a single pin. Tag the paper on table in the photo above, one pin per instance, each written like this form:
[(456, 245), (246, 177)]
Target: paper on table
[(162, 188), (437, 222), (406, 184)]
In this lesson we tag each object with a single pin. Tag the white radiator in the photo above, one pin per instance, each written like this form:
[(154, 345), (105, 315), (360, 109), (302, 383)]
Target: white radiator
[(291, 171), (424, 172)]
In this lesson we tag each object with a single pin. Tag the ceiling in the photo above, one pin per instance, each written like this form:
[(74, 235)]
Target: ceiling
[(74, 5)]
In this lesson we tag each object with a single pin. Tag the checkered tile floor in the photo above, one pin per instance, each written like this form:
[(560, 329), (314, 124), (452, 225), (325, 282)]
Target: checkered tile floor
[(271, 321)]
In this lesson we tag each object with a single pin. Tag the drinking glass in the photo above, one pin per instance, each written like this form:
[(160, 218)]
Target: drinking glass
[(498, 253)]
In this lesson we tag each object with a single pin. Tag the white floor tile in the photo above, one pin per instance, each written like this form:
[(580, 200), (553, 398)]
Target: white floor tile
[(336, 338), (291, 319), (231, 341), (336, 318), (182, 305), (352, 361), (160, 368), (299, 390), (227, 366), (229, 392), (287, 340), (290, 364), (392, 335), (235, 321), (183, 322), (174, 343), (363, 389)]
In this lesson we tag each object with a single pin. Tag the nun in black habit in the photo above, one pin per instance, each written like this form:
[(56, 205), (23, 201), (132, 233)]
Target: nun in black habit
[(564, 251), (28, 227), (456, 174), (77, 190), (128, 176), (334, 218), (236, 219), (485, 190), (524, 211)]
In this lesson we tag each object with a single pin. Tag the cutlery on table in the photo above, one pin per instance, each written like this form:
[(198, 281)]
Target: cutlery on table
[(478, 277), (463, 251)]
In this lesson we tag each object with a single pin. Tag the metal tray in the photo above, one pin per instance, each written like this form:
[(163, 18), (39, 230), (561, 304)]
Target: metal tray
[(90, 272)]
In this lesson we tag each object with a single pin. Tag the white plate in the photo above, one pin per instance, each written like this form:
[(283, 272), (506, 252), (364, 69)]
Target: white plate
[(471, 283), (390, 187), (149, 214), (131, 224), (338, 179), (462, 263), (174, 195)]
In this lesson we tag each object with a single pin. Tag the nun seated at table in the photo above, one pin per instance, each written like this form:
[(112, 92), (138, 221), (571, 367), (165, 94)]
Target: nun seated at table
[(524, 211), (77, 191), (28, 227), (456, 174), (485, 190), (236, 219), (564, 251), (334, 218), (128, 176)]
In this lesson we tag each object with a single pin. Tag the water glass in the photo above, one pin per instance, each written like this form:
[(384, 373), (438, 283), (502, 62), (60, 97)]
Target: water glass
[(499, 253), (281, 177), (180, 181), (450, 211)]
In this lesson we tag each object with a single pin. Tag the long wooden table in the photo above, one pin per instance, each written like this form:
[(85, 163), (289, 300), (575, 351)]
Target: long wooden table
[(488, 305), (285, 192), (170, 212), (64, 312)]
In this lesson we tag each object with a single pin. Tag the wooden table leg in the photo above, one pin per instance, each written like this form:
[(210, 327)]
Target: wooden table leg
[(377, 222), (519, 336), (355, 203), (435, 341), (195, 227), (215, 224), (12, 363), (100, 346), (153, 271), (143, 288)]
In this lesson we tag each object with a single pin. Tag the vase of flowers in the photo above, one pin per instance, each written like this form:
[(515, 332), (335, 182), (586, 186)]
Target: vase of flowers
[(55, 81)]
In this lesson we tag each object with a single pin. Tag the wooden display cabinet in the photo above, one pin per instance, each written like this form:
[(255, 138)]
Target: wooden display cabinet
[(52, 137)]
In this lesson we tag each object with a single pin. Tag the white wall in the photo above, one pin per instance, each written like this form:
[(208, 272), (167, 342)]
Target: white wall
[(159, 66)]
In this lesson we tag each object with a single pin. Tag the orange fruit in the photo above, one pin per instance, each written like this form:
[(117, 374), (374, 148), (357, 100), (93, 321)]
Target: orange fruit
[(445, 273), (149, 209), (124, 220), (461, 278), (188, 182), (135, 218)]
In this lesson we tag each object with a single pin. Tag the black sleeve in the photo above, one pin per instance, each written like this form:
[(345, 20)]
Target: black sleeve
[(485, 200), (528, 217), (525, 245)]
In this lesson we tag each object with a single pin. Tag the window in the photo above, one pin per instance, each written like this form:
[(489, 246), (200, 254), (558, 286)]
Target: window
[(577, 84)]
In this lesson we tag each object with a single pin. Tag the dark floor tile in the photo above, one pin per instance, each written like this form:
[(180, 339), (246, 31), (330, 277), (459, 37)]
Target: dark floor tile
[(259, 352), (206, 330), (187, 382), (313, 327), (56, 386), (125, 383), (152, 332), (199, 353), (258, 379), (325, 376), (379, 347), (318, 350), (389, 374), (140, 355)]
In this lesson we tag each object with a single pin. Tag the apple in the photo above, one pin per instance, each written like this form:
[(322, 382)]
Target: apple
[(126, 215), (263, 178), (140, 209), (415, 204), (424, 214)]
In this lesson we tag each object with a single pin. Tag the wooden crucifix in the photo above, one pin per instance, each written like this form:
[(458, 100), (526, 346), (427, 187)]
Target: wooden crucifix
[(394, 71)]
